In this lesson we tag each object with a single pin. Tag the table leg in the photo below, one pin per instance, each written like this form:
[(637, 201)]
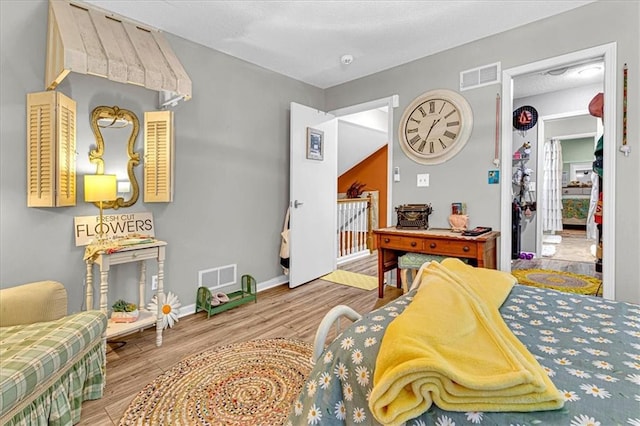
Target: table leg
[(141, 284), (104, 288), (89, 285), (161, 299), (380, 273)]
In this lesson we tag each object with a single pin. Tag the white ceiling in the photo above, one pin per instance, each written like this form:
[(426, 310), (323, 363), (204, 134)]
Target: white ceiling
[(306, 39)]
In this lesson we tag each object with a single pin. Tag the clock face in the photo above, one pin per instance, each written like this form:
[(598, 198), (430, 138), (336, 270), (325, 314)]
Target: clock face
[(435, 126)]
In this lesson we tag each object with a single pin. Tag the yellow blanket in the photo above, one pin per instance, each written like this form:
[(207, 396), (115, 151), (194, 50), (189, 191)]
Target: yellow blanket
[(451, 347)]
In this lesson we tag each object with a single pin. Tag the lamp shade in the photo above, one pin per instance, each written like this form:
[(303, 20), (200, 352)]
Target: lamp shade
[(100, 188)]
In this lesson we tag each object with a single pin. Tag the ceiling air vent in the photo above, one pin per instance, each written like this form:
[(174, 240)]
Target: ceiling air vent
[(481, 76)]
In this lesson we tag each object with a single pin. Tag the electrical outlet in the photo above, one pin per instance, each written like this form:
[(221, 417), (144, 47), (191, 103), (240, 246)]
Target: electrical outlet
[(423, 179), (154, 282)]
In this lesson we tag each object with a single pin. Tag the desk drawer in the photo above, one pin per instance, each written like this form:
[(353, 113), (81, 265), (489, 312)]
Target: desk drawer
[(133, 255), (451, 248), (401, 243)]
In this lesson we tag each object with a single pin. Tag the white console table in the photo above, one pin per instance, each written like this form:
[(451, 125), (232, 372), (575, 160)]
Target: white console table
[(135, 253)]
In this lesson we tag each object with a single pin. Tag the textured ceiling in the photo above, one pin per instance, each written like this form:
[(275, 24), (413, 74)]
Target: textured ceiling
[(306, 39)]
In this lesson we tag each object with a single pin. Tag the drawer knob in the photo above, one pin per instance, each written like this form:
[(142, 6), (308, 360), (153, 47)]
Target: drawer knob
[(432, 245), (465, 249), (386, 240), (413, 244)]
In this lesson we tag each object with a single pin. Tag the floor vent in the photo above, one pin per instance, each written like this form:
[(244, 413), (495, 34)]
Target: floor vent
[(481, 76), (217, 277)]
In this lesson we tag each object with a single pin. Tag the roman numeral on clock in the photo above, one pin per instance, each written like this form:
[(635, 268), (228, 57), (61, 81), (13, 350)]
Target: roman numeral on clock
[(421, 147), (414, 139), (442, 144), (424, 114), (453, 123), (447, 116), (412, 130), (414, 120), (449, 134), (431, 148)]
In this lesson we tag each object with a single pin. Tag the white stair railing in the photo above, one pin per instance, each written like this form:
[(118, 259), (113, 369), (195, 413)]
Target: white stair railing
[(354, 228)]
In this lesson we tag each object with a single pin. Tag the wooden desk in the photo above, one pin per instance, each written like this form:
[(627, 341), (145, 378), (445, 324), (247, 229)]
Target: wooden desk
[(392, 242), (135, 253)]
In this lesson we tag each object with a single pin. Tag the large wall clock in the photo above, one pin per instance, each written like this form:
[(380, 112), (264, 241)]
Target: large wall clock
[(435, 126)]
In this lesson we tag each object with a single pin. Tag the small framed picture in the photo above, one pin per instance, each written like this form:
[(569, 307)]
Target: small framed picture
[(493, 177), (315, 144)]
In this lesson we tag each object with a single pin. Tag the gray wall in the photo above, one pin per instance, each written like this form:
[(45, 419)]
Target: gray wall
[(232, 161), (355, 143), (464, 178)]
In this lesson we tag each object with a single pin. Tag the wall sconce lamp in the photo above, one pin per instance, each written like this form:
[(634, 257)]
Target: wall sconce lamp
[(98, 189)]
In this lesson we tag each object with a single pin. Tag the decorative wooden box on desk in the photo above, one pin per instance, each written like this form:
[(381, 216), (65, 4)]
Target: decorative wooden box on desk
[(247, 293), (393, 242)]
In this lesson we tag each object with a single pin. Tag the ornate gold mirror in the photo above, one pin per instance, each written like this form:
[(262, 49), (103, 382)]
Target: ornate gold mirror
[(120, 126)]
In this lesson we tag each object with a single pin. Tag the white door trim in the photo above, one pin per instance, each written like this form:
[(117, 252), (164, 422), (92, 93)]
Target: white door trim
[(390, 102), (608, 52)]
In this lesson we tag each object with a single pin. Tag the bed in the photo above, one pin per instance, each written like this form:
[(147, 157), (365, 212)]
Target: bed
[(588, 347)]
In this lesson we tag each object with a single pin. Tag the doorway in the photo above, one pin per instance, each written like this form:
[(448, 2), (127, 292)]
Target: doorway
[(575, 242), (313, 191), (608, 55), (387, 105)]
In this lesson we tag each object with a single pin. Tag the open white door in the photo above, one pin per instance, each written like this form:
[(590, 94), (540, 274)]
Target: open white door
[(313, 192)]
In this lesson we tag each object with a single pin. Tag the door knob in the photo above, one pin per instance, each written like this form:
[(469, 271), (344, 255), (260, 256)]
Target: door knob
[(296, 203)]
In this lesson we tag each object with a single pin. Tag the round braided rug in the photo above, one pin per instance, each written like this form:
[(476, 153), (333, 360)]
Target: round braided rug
[(558, 280), (249, 383)]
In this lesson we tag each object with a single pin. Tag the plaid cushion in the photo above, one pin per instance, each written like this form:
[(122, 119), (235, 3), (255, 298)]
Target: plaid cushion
[(415, 260), (31, 354)]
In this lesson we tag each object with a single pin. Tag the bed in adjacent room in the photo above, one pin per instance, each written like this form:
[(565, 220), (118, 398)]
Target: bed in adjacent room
[(588, 347)]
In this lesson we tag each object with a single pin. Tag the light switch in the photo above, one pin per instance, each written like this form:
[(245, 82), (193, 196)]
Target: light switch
[(396, 174), (423, 179)]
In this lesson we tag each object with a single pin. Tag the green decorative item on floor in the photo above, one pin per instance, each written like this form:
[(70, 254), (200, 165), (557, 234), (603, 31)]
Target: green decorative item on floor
[(352, 279), (214, 303), (559, 280), (248, 383)]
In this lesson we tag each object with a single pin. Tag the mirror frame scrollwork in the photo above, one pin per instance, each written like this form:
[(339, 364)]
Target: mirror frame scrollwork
[(95, 155)]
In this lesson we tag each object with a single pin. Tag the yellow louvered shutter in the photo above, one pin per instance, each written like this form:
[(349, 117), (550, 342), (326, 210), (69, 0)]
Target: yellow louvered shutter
[(158, 157), (51, 149), (66, 161)]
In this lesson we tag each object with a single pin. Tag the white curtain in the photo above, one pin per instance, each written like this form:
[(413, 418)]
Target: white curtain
[(552, 187)]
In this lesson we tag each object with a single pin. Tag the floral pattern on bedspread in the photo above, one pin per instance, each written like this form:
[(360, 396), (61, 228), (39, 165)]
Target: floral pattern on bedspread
[(590, 347)]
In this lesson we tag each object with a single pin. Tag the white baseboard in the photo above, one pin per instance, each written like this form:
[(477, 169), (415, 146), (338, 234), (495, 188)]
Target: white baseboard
[(273, 282)]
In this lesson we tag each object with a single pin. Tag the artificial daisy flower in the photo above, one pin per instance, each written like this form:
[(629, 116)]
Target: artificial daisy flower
[(168, 308)]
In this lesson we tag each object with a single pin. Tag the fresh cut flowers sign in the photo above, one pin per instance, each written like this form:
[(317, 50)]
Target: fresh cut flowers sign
[(87, 228)]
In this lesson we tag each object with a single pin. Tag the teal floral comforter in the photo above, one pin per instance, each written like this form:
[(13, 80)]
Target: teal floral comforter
[(590, 348)]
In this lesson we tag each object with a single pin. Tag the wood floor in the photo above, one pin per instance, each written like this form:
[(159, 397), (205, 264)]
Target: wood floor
[(279, 312)]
